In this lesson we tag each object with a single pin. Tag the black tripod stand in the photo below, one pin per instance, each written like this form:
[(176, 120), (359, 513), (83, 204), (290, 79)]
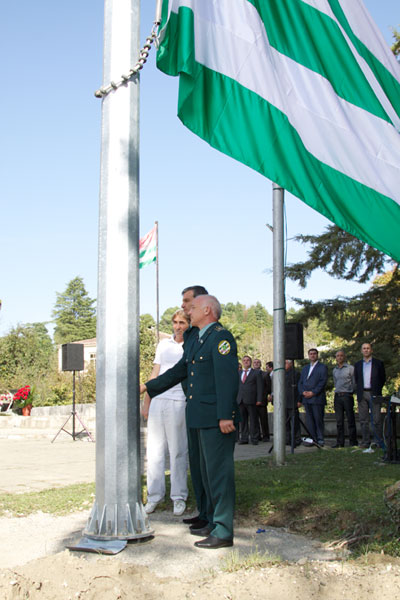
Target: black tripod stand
[(74, 415), (293, 416)]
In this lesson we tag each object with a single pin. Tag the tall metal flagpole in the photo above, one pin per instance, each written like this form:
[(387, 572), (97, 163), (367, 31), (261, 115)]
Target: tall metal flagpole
[(279, 325), (118, 511)]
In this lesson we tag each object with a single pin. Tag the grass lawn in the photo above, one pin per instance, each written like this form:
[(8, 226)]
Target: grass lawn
[(329, 494), (334, 495)]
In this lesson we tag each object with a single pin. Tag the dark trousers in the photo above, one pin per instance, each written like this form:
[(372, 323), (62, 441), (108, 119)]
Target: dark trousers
[(344, 403), (263, 421), (195, 474), (315, 420), (249, 423), (364, 417), (217, 468)]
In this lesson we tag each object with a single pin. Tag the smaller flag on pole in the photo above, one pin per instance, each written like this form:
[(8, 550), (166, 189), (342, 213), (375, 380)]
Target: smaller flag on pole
[(148, 248)]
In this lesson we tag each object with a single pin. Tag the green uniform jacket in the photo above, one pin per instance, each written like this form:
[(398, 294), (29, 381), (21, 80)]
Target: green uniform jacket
[(211, 368), (186, 335)]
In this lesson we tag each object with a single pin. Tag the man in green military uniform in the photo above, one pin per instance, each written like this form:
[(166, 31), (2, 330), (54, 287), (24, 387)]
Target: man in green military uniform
[(210, 364)]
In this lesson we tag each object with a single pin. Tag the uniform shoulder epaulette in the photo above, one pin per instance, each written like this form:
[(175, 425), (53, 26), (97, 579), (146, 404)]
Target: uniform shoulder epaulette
[(219, 328)]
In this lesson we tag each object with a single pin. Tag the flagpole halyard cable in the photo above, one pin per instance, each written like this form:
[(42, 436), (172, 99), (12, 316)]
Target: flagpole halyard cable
[(143, 56)]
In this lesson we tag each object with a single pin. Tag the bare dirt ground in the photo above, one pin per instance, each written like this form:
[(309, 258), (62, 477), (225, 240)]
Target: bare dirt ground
[(37, 566), (67, 576)]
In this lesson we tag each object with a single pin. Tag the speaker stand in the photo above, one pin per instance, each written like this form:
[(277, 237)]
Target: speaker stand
[(74, 415)]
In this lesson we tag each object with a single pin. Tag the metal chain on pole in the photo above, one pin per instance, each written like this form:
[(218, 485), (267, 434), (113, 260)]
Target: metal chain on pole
[(143, 56)]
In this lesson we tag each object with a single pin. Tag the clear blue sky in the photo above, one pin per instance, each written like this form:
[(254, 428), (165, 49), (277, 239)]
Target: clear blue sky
[(211, 210)]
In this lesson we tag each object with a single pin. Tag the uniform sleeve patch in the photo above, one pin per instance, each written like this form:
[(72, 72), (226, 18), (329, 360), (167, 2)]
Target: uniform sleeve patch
[(224, 347)]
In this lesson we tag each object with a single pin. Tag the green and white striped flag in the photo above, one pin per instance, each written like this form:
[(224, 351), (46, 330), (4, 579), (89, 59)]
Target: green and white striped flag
[(148, 248), (306, 92)]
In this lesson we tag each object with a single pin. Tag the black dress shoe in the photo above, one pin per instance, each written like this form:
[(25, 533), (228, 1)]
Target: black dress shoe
[(254, 443), (199, 524), (241, 443), (338, 446), (213, 542), (191, 520), (200, 531)]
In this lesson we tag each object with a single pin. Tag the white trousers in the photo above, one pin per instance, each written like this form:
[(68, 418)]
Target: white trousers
[(166, 431)]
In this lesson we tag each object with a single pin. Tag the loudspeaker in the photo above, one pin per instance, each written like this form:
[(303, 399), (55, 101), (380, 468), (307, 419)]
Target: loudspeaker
[(294, 340), (72, 357)]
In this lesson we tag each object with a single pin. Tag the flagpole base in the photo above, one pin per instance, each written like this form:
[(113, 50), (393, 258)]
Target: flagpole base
[(116, 523)]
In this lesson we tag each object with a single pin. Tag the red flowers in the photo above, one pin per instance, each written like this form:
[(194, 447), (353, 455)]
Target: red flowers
[(22, 396)]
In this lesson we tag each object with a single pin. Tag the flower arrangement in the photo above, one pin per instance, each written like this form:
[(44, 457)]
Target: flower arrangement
[(5, 399), (25, 396)]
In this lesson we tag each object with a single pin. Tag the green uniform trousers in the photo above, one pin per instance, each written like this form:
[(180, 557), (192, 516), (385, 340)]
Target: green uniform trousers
[(218, 477), (196, 476)]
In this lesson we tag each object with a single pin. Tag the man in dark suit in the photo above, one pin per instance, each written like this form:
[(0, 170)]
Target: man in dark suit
[(210, 364), (250, 392), (370, 377), (311, 387)]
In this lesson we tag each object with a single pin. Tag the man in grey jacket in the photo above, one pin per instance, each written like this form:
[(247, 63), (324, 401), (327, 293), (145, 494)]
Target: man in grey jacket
[(343, 380)]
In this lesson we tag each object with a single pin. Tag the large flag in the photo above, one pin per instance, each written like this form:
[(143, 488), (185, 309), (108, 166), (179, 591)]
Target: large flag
[(306, 92), (148, 248)]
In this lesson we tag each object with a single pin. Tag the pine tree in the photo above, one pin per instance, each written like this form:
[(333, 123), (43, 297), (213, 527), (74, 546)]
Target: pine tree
[(372, 316), (339, 254), (74, 314)]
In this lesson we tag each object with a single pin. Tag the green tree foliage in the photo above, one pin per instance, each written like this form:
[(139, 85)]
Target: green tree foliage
[(372, 316), (396, 44), (316, 332), (74, 314), (340, 255), (166, 319), (251, 327), (26, 355), (148, 343), (56, 387), (87, 385)]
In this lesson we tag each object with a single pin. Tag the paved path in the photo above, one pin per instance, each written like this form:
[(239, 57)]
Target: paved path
[(36, 464)]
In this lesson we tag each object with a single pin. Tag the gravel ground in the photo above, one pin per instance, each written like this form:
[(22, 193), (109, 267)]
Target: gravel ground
[(36, 565)]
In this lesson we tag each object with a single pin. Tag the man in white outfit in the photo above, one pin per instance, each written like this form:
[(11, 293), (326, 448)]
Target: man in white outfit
[(166, 428)]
